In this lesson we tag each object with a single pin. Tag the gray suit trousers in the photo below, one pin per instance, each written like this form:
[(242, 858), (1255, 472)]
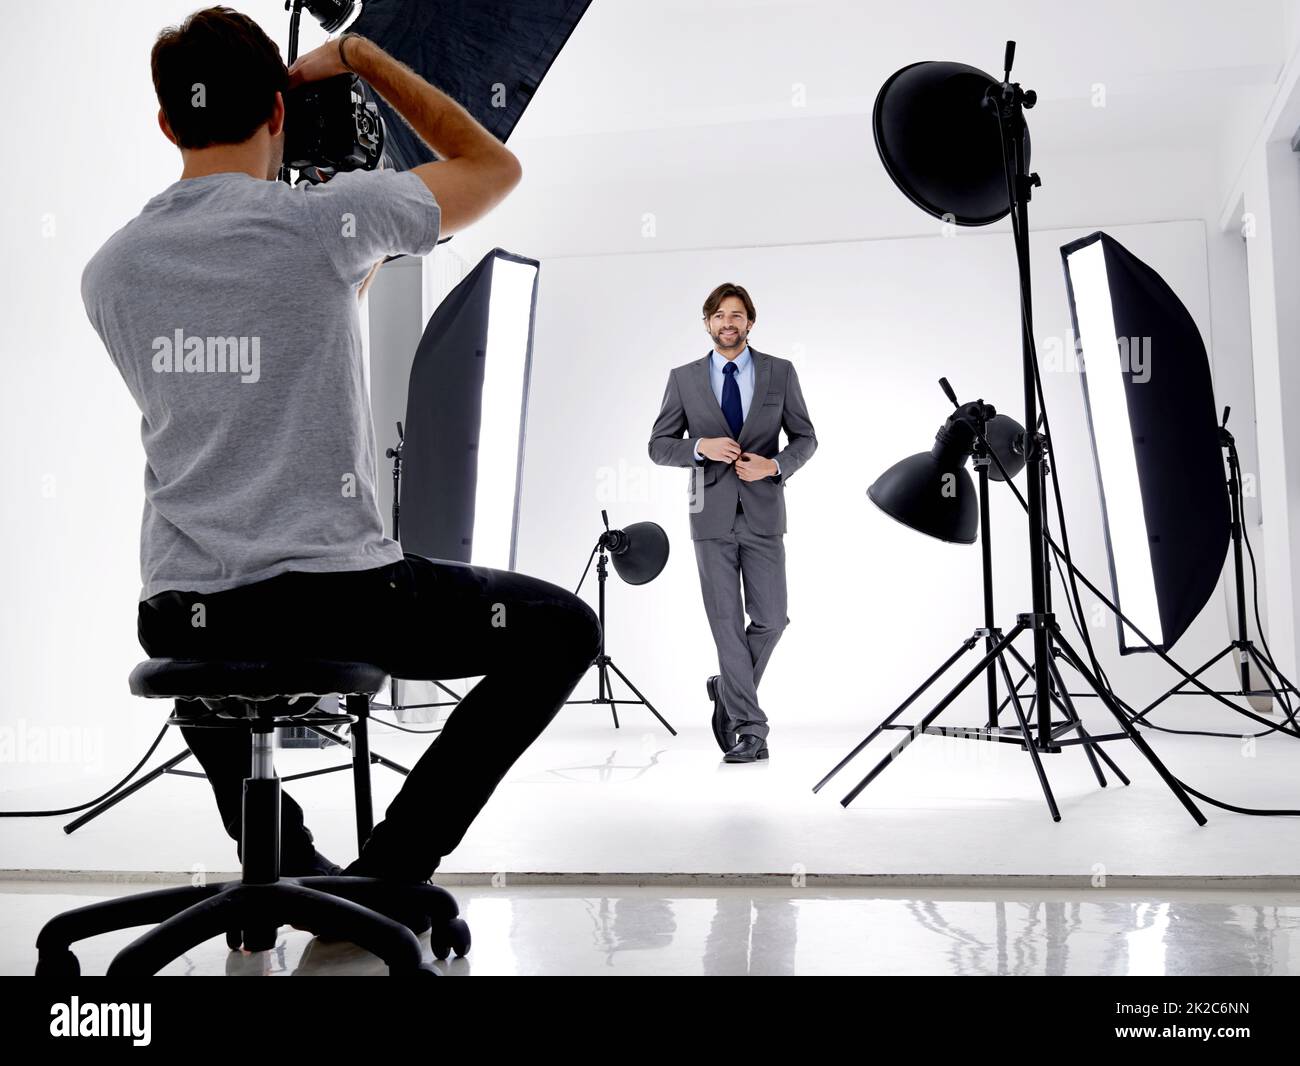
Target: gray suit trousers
[(743, 650)]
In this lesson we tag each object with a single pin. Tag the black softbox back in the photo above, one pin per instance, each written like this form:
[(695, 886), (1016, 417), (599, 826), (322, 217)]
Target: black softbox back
[(466, 48), (444, 406), (1175, 438)]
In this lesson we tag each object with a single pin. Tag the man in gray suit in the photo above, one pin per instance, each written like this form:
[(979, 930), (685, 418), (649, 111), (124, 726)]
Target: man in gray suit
[(722, 416)]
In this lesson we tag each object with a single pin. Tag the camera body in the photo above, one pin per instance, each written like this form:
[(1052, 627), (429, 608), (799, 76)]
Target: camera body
[(331, 126)]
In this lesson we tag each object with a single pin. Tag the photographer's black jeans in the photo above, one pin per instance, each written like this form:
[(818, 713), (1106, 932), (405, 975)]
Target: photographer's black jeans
[(529, 640)]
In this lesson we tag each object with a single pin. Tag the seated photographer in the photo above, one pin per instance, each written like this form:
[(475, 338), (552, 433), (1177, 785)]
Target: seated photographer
[(229, 305)]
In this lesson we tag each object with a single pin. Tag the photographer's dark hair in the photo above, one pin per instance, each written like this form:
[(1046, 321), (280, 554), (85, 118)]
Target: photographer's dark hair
[(722, 292), (216, 76)]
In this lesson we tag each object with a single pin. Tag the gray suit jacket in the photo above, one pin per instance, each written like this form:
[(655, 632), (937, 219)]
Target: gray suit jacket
[(690, 411)]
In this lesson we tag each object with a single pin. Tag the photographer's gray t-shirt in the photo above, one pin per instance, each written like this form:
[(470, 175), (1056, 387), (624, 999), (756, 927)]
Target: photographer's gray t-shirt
[(229, 305)]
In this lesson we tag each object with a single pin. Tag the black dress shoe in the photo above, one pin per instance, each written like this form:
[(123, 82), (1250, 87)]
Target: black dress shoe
[(749, 748), (390, 904), (316, 866), (726, 738)]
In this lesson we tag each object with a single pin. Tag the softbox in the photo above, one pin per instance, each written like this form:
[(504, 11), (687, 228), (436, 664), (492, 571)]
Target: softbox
[(488, 55), (466, 409), (1155, 435)]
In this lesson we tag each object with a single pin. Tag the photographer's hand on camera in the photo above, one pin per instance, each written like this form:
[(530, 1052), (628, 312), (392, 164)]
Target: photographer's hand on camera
[(323, 62), (474, 171)]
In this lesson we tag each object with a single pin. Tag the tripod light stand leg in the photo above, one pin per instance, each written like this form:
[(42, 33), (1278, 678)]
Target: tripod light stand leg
[(638, 695), (604, 690), (1129, 729), (609, 692), (1061, 697), (1091, 747), (122, 793), (1029, 675), (1282, 702), (1262, 656), (1030, 746), (966, 646), (924, 724), (1178, 687)]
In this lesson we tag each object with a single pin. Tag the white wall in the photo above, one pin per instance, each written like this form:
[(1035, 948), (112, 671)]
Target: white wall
[(1263, 203)]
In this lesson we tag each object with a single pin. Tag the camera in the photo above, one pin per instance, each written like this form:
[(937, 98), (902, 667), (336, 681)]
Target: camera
[(332, 126)]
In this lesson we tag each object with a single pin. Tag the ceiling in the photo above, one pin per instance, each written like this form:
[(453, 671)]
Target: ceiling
[(1169, 69)]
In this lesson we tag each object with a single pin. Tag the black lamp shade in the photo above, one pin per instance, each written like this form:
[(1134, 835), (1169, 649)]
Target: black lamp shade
[(940, 144), (930, 497), (641, 552), (1004, 435)]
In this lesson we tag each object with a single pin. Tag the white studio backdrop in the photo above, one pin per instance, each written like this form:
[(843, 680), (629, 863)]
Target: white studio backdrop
[(874, 607)]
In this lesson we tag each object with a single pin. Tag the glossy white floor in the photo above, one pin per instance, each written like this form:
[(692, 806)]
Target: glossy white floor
[(587, 798), (948, 863), (662, 930)]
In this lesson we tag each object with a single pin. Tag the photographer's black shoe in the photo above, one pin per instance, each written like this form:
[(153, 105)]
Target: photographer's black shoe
[(316, 866), (393, 906)]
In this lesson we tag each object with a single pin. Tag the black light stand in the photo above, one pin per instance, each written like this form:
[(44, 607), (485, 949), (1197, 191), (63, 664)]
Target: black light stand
[(294, 7), (1027, 668), (998, 649), (608, 541), (1279, 686), (395, 454), (1008, 101)]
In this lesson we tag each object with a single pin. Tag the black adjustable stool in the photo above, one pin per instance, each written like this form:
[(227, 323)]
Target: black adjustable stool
[(262, 697)]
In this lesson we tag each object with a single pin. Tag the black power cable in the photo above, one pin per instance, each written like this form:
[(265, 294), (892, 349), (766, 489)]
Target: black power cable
[(98, 799)]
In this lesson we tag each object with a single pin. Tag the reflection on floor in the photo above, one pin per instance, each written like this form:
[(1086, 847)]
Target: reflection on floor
[(595, 930)]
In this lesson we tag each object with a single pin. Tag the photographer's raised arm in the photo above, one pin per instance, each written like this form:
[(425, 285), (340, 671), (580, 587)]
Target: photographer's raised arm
[(475, 171)]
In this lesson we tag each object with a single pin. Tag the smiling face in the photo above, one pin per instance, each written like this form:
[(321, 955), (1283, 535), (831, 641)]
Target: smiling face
[(729, 326)]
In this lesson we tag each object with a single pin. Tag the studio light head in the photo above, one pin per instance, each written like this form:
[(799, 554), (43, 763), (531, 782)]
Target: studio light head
[(639, 552), (331, 14), (936, 129), (1005, 437), (932, 492)]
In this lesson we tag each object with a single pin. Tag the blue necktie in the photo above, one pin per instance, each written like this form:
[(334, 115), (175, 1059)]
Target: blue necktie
[(731, 399)]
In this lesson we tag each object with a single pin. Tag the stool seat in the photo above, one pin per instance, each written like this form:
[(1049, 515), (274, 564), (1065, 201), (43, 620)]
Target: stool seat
[(254, 680)]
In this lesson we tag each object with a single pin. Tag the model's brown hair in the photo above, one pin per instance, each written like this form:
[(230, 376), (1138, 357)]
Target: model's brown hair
[(724, 290)]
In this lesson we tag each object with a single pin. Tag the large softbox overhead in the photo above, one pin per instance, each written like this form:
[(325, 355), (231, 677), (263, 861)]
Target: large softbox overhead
[(1155, 434), (466, 409), (487, 55)]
